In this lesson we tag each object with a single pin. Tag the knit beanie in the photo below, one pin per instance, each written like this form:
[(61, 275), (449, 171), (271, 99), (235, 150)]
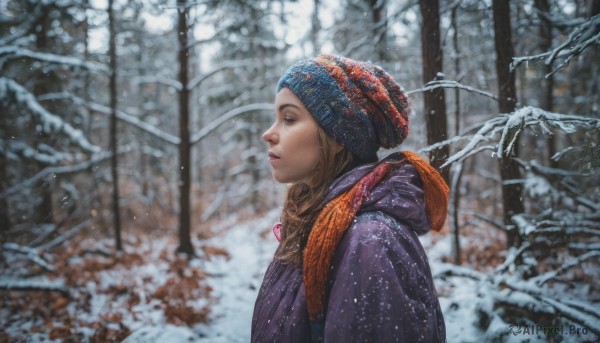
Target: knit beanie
[(357, 103)]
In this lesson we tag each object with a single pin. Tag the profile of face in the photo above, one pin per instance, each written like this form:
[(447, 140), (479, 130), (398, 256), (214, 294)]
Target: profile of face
[(293, 139)]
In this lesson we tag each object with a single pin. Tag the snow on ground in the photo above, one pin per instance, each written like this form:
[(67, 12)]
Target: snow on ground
[(457, 300), (235, 282), (239, 278)]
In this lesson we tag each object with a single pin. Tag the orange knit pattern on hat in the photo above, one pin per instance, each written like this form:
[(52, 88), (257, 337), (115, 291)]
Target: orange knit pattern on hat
[(335, 218), (356, 102)]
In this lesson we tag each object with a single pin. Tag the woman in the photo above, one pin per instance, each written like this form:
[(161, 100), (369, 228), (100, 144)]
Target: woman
[(349, 266)]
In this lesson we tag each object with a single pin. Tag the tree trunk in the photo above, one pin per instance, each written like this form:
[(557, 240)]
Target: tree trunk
[(5, 223), (593, 8), (509, 170), (547, 102), (456, 181), (44, 83), (315, 28), (456, 69), (145, 168), (454, 211), (378, 8), (87, 124), (185, 243), (114, 165), (435, 103)]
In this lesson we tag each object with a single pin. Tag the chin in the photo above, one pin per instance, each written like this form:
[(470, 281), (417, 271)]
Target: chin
[(279, 179), (283, 179)]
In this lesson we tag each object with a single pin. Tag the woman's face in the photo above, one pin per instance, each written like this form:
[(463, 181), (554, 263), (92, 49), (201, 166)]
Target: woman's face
[(293, 139)]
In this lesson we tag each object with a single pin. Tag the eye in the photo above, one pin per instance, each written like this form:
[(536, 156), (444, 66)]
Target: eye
[(288, 120)]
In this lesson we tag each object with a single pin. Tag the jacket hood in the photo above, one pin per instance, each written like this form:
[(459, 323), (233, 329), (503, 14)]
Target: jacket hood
[(400, 195)]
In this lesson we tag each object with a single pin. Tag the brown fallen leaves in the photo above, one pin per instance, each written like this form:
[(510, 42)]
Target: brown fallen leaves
[(111, 293)]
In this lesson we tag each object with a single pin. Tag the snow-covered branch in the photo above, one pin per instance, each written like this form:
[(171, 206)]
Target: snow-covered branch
[(517, 121), (583, 246), (542, 279), (529, 116), (219, 33), (513, 255), (212, 126), (121, 115), (65, 236), (70, 169), (566, 230), (49, 122), (484, 134), (167, 137), (139, 80), (574, 311), (130, 119), (451, 84), (561, 225), (32, 254), (37, 284), (539, 169), (591, 321), (562, 22), (25, 26), (580, 198), (582, 37), (450, 270), (485, 218), (14, 52), (559, 184), (10, 38), (450, 141), (47, 157)]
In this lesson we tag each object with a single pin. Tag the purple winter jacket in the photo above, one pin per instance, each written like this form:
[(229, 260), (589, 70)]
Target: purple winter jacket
[(380, 285)]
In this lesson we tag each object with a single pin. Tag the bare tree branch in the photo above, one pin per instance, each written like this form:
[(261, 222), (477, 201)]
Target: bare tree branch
[(195, 82), (212, 126), (14, 52), (49, 122)]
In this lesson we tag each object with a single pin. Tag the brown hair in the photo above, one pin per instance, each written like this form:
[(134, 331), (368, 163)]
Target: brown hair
[(304, 201)]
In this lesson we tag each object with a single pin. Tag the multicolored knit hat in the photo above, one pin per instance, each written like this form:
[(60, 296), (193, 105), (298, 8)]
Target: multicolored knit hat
[(358, 103)]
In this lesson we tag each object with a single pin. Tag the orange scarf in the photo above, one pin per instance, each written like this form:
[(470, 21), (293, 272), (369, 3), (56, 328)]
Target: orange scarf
[(336, 216)]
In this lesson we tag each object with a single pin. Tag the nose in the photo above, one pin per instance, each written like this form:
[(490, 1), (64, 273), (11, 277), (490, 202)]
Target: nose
[(270, 136)]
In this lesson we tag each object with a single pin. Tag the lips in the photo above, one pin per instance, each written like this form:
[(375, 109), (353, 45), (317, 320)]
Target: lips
[(273, 156)]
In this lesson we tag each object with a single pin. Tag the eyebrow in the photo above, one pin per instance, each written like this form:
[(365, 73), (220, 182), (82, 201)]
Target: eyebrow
[(282, 107)]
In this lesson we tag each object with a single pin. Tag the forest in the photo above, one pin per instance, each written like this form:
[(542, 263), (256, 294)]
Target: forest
[(136, 198)]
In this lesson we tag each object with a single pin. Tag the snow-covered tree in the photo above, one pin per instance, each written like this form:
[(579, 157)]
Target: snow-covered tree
[(41, 52), (556, 235), (251, 56)]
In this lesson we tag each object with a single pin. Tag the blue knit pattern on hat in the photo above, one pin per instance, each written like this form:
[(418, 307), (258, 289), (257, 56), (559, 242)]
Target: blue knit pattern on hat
[(357, 103)]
